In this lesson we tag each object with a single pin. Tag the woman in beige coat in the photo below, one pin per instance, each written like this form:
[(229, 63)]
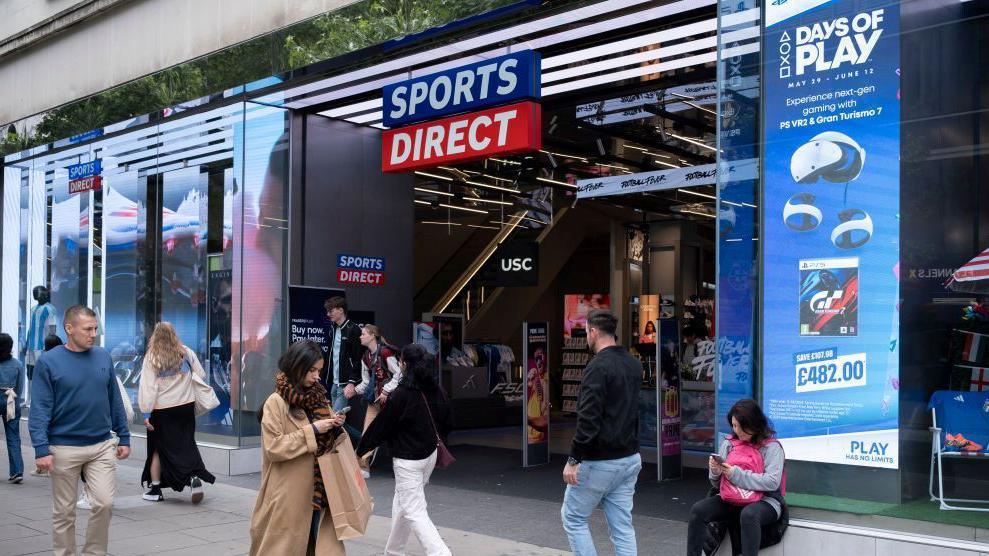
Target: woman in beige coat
[(297, 426)]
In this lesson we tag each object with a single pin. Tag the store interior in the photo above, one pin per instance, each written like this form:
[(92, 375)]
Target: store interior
[(649, 256)]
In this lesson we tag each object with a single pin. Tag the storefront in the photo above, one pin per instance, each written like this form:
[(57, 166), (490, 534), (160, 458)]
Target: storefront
[(749, 189)]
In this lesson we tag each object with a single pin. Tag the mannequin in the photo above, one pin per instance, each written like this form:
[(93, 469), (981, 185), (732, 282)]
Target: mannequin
[(43, 321)]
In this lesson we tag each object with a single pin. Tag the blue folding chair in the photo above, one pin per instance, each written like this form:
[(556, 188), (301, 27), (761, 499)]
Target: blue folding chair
[(957, 414)]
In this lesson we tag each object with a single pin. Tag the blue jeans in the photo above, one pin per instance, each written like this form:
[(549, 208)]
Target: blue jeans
[(337, 398), (610, 484), (12, 433), (339, 402)]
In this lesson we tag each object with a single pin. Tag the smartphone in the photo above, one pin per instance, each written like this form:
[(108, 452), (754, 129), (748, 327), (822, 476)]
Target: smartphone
[(718, 459), (344, 410)]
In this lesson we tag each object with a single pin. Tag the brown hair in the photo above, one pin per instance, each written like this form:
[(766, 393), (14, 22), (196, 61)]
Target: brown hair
[(165, 349), (335, 302), (752, 420)]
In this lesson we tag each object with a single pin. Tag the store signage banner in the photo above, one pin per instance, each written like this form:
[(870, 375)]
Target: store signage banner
[(688, 176), (514, 264), (81, 185), (502, 131), (85, 177), (354, 269), (535, 406), (501, 80), (831, 230)]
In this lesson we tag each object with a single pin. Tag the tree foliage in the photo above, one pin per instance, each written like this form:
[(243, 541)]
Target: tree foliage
[(351, 28)]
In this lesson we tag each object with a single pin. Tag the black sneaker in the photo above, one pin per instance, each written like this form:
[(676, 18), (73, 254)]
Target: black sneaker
[(154, 494), (16, 478), (197, 489)]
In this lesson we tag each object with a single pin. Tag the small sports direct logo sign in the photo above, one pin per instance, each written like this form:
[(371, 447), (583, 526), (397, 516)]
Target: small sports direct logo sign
[(367, 271)]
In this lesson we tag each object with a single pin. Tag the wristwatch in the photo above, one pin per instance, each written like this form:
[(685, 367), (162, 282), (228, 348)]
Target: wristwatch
[(573, 461)]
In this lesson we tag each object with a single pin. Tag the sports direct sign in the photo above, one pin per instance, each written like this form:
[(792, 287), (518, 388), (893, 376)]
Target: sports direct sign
[(498, 131), (353, 269), (478, 131)]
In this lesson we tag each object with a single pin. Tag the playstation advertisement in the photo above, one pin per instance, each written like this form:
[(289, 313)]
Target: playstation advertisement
[(831, 197)]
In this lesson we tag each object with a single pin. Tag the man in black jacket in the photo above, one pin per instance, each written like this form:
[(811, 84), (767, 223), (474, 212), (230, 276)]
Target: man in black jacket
[(342, 371), (604, 458)]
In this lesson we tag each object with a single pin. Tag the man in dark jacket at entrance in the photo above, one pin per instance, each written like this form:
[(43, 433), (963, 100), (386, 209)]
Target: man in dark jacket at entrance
[(342, 371), (604, 458)]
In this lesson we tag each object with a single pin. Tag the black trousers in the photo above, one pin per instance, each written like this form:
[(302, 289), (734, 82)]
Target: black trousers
[(744, 524)]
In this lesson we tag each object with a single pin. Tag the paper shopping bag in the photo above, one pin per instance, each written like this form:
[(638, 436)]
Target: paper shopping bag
[(350, 503)]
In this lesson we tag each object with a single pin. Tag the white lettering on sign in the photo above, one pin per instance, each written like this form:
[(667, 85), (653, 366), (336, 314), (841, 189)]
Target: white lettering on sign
[(443, 92), (515, 265), (856, 40), (438, 143)]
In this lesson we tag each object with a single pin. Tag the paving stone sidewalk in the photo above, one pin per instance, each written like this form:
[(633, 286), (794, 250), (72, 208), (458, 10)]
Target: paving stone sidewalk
[(217, 527)]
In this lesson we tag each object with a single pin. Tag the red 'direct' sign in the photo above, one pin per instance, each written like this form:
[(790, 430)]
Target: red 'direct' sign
[(364, 277), (503, 130), (92, 183)]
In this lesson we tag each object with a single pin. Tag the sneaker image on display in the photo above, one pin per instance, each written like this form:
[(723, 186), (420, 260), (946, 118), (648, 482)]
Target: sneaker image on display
[(197, 490), (153, 494)]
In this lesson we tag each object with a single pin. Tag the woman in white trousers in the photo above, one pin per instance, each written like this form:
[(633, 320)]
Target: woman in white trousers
[(416, 416)]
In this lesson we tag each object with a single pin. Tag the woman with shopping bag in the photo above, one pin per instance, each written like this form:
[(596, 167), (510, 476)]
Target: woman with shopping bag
[(171, 375), (414, 423), (299, 431)]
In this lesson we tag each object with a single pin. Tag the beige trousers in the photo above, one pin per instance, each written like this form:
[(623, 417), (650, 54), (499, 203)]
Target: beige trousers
[(99, 462)]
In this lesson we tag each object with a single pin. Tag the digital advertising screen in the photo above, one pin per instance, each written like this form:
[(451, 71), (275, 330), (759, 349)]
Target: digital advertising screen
[(831, 197)]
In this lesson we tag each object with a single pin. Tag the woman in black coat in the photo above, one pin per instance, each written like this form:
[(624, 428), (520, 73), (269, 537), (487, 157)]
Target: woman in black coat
[(415, 416)]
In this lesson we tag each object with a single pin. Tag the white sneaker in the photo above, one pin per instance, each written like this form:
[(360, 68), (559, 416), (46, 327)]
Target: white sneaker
[(83, 503), (197, 490), (39, 473)]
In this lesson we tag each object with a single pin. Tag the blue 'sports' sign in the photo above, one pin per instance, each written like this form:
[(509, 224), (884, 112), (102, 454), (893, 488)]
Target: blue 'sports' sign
[(85, 170), (354, 269), (467, 88)]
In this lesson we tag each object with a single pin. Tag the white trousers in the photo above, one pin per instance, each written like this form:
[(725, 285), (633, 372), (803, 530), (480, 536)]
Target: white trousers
[(408, 509)]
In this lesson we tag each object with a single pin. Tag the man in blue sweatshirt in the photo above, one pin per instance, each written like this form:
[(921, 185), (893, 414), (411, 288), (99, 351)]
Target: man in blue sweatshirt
[(75, 404)]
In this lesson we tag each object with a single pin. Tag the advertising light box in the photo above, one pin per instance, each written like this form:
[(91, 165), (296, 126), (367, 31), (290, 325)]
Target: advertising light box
[(500, 80), (831, 230), (497, 131)]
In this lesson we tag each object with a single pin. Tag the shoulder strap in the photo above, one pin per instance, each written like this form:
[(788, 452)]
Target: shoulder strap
[(430, 412)]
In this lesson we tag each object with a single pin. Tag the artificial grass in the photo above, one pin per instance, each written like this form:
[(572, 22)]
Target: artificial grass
[(918, 510)]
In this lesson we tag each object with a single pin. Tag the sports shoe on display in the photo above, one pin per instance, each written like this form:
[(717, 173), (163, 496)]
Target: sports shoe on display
[(197, 489), (154, 494)]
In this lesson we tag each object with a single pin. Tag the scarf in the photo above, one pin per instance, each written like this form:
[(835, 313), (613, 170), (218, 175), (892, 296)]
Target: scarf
[(313, 403)]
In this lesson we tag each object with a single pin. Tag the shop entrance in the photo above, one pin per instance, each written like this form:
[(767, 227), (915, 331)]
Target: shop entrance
[(648, 255)]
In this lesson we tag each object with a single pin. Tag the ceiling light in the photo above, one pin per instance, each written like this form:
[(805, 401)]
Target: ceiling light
[(455, 207), (699, 107), (495, 187), (433, 191), (483, 227), (575, 157), (665, 163), (503, 161), (691, 141), (441, 223), (491, 201), (688, 97), (434, 176), (699, 194), (427, 203), (699, 213), (557, 182)]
